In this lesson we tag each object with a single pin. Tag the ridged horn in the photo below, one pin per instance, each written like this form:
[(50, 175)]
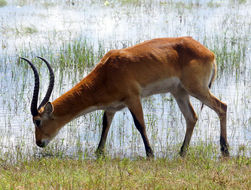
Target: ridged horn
[(33, 108), (51, 84)]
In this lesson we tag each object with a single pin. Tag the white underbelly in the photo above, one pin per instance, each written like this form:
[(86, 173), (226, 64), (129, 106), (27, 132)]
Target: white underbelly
[(159, 87), (163, 86)]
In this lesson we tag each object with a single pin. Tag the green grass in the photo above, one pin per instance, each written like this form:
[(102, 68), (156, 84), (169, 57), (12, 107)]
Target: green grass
[(3, 3), (132, 2), (190, 173), (78, 54), (230, 51), (239, 1), (201, 169), (29, 30)]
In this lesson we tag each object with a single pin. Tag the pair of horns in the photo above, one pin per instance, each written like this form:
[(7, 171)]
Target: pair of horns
[(34, 109)]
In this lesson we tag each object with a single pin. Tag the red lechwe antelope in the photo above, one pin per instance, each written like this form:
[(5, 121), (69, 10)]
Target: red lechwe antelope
[(181, 66)]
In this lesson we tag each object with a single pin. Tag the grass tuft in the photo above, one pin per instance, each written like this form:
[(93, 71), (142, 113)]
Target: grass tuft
[(3, 3)]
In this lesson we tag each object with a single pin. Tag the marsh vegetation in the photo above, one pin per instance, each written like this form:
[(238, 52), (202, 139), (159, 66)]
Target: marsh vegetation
[(74, 35)]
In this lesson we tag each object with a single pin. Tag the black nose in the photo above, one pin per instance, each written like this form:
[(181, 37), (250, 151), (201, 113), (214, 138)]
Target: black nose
[(40, 144)]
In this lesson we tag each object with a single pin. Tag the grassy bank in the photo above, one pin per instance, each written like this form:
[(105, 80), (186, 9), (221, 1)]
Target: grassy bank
[(193, 172)]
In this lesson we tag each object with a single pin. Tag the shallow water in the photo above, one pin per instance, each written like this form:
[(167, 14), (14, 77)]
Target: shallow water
[(39, 28)]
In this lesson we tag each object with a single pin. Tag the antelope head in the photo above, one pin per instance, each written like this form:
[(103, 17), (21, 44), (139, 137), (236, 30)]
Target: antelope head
[(43, 117)]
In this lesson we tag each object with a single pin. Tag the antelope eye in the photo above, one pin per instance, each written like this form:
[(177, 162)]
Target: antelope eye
[(37, 122)]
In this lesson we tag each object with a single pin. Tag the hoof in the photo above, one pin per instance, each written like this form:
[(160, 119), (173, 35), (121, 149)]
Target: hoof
[(100, 153), (225, 152), (182, 154), (150, 154), (224, 147)]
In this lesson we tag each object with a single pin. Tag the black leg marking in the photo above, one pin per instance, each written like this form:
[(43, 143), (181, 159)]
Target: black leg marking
[(224, 147), (141, 129), (183, 150), (104, 120), (107, 119)]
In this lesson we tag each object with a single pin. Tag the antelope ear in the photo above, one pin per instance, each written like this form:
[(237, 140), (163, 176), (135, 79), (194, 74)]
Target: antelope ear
[(48, 108)]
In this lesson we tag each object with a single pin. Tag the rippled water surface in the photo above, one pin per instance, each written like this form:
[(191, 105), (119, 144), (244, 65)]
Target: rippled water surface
[(73, 36)]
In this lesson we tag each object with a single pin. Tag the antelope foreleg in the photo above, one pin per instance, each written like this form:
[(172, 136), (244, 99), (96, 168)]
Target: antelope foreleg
[(136, 110), (107, 120)]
